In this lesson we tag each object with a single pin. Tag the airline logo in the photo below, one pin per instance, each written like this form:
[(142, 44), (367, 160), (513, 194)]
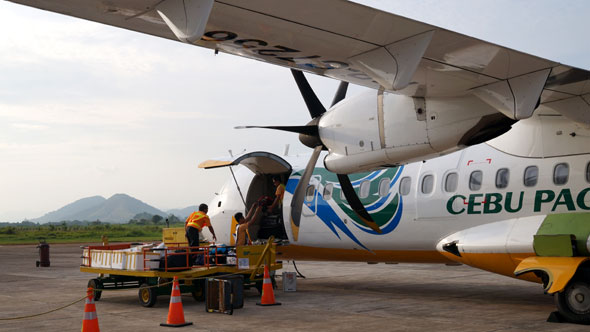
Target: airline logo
[(512, 202), (330, 206)]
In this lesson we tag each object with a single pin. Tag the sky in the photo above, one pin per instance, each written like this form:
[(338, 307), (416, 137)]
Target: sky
[(87, 109)]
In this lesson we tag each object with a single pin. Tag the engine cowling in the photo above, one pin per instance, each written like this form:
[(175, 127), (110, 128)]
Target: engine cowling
[(375, 130)]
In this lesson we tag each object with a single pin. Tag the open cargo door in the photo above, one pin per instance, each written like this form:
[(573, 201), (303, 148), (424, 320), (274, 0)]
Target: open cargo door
[(258, 162), (265, 166)]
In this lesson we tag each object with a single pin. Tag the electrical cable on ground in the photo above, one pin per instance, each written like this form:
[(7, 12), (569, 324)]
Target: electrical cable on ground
[(298, 273), (44, 313)]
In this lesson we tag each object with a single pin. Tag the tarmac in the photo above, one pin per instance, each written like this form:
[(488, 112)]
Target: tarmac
[(334, 296)]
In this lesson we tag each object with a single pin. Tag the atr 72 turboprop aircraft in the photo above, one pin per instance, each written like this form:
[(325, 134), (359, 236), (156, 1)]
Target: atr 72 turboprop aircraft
[(464, 151)]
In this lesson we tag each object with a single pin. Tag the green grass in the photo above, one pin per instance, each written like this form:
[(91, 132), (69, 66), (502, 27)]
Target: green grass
[(81, 234)]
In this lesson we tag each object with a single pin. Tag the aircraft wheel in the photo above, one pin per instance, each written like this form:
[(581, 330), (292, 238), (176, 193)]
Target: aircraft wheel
[(147, 295), (574, 302)]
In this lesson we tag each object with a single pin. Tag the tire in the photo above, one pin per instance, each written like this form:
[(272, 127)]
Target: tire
[(95, 284), (199, 294), (573, 302), (147, 295)]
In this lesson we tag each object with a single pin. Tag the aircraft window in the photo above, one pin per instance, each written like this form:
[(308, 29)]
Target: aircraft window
[(475, 180), (405, 185), (384, 187), (451, 182), (561, 173), (588, 172), (427, 184), (365, 189), (502, 178), (309, 193), (531, 174), (328, 189)]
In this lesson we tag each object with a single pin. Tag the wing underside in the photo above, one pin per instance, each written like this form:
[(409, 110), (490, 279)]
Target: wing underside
[(354, 43)]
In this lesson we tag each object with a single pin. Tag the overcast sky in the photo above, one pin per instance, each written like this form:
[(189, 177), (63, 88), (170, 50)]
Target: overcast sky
[(87, 109)]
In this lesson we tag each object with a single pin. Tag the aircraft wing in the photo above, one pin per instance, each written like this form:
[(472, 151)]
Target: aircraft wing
[(354, 43)]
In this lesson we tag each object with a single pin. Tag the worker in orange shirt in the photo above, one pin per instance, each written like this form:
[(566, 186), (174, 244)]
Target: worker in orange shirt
[(279, 193), (195, 223)]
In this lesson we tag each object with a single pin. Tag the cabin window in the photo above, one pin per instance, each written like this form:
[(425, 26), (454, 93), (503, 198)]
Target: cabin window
[(328, 189), (475, 180), (451, 182), (309, 193), (561, 173), (427, 184), (588, 172), (384, 187), (531, 175), (365, 189), (405, 185), (502, 178)]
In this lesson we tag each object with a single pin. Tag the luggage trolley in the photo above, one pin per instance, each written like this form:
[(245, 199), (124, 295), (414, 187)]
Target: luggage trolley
[(150, 269)]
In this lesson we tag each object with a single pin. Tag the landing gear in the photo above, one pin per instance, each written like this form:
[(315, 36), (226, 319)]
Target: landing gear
[(574, 302)]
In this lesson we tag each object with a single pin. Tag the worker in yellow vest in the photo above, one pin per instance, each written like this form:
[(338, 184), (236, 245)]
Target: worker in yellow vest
[(279, 193), (195, 223)]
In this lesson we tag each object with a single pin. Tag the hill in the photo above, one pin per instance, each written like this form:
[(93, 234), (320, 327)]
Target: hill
[(183, 213), (118, 208), (71, 209)]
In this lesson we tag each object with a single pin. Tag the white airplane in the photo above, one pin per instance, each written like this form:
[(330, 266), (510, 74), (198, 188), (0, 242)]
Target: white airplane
[(464, 152)]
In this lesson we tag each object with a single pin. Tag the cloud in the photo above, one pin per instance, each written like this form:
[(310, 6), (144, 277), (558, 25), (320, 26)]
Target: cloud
[(29, 126)]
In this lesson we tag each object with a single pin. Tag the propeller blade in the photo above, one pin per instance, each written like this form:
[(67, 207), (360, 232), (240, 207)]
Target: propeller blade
[(306, 130), (355, 202), (314, 106), (340, 93), (299, 194)]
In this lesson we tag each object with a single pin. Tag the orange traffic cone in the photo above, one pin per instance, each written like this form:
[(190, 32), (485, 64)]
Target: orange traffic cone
[(90, 322), (268, 295), (175, 311)]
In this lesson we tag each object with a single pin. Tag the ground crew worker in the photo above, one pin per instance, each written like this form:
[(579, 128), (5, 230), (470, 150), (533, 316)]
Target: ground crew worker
[(279, 193), (195, 223), (243, 236)]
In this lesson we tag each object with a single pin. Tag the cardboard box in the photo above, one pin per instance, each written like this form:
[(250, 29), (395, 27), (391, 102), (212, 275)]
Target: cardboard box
[(100, 258), (134, 260), (118, 259)]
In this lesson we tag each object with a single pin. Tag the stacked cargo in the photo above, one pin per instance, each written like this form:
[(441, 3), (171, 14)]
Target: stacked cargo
[(122, 257)]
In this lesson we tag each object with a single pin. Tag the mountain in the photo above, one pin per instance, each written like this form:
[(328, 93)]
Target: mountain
[(118, 208), (71, 209), (183, 213)]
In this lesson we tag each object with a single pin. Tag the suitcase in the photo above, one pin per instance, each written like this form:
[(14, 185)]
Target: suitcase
[(219, 296)]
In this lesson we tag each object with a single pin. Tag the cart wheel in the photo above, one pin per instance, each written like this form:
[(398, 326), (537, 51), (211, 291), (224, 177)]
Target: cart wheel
[(95, 284), (199, 290), (147, 295)]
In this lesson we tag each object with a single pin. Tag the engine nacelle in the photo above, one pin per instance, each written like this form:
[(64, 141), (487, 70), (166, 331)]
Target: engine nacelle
[(375, 130)]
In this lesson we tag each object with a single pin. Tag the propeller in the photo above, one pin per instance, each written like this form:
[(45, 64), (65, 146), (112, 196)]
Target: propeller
[(309, 135)]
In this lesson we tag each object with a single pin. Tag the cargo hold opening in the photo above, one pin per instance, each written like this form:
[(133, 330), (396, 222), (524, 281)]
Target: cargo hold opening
[(265, 166)]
